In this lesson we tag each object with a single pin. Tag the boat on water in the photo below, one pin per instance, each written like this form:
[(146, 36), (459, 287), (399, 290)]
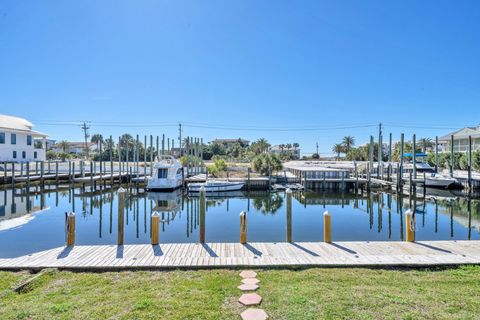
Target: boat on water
[(215, 186), (432, 179), (167, 174)]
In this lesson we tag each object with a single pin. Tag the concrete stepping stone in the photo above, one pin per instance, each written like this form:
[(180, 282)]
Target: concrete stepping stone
[(254, 314), (250, 281), (248, 287), (248, 274), (250, 299)]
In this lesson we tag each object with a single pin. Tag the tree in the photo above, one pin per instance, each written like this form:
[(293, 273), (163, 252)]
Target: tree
[(425, 143), (288, 146), (64, 145), (348, 142), (97, 139), (296, 145), (315, 156), (259, 146), (338, 149), (266, 163)]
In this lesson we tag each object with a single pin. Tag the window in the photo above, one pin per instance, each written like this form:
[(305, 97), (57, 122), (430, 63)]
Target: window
[(35, 154), (162, 173), (2, 137), (24, 154), (29, 140), (14, 154), (13, 138)]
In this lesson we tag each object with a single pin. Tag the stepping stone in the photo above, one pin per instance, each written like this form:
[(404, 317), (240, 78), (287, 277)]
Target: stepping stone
[(250, 299), (250, 281), (248, 274), (254, 314), (248, 287)]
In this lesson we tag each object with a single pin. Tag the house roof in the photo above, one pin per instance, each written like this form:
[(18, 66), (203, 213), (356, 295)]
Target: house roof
[(462, 134), (18, 124)]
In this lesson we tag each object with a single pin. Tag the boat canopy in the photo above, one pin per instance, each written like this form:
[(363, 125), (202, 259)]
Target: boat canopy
[(416, 155)]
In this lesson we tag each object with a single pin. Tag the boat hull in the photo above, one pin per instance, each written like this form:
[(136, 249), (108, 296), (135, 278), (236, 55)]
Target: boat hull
[(195, 187)]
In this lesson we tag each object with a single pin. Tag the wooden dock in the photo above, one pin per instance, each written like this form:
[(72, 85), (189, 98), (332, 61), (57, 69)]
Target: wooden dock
[(257, 254)]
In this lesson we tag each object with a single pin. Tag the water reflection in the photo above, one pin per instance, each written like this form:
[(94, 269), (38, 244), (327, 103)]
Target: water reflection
[(33, 220)]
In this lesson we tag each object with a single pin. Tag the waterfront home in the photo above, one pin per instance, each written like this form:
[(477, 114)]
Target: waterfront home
[(75, 148), (228, 143), (282, 149), (460, 140), (19, 142)]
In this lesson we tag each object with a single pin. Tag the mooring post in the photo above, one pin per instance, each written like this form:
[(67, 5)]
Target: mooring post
[(414, 156), (243, 227), (452, 156), (13, 176), (469, 163), (121, 211), (409, 226), (70, 228), (289, 214), (248, 178), (28, 176), (155, 221), (202, 215), (402, 143), (327, 232), (56, 171), (436, 154)]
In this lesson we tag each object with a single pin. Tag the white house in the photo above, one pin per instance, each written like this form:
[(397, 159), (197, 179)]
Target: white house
[(76, 148), (460, 140), (282, 149), (19, 142)]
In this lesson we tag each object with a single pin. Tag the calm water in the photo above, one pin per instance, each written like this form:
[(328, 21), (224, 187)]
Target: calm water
[(34, 222)]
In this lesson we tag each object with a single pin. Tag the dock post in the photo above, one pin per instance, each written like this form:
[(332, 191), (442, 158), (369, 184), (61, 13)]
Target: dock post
[(414, 156), (248, 178), (327, 232), (243, 227), (409, 226), (469, 163), (436, 154), (202, 215), (13, 177), (28, 176), (21, 169), (42, 171), (92, 172), (155, 220), (70, 228), (289, 214), (72, 174), (371, 147), (56, 172), (452, 156), (121, 212)]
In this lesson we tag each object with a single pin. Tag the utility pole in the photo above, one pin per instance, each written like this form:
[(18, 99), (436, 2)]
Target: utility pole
[(86, 136), (180, 138)]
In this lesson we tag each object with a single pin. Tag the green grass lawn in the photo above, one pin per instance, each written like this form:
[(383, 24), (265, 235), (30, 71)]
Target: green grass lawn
[(212, 294)]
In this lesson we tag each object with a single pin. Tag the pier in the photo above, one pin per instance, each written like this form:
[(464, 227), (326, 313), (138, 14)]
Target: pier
[(256, 254)]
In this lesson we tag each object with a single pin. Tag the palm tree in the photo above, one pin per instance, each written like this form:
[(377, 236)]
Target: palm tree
[(338, 148), (288, 146), (296, 145), (96, 138), (262, 144), (348, 142), (425, 143), (281, 146), (65, 145)]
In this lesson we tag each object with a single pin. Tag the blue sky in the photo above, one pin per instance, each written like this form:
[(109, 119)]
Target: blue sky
[(318, 70)]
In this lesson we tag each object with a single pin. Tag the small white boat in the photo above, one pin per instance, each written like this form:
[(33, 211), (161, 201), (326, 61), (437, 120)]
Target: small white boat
[(432, 179), (215, 186), (167, 174)]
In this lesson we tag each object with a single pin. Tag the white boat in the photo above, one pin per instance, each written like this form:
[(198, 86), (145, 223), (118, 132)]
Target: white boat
[(167, 174), (432, 179), (215, 186)]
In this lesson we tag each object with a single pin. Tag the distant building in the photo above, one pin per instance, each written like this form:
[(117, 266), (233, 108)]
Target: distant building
[(460, 140), (76, 148), (230, 142), (19, 142), (279, 149)]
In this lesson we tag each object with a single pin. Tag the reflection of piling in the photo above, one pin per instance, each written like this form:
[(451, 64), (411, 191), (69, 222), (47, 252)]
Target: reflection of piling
[(409, 226), (243, 227), (289, 215), (202, 215), (327, 234), (121, 210)]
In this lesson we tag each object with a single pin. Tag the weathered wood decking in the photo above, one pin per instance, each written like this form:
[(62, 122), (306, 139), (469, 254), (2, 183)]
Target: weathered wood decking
[(258, 254)]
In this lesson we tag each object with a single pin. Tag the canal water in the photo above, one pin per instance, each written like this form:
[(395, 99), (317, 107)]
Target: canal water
[(35, 221)]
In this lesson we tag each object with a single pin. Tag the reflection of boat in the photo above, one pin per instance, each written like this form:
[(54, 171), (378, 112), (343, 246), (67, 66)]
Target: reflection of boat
[(166, 201), (215, 186), (167, 174), (224, 194), (432, 179)]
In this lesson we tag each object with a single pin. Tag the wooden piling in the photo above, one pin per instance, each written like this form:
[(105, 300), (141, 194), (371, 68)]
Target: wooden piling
[(327, 232), (121, 211), (409, 226), (202, 215), (289, 214), (469, 163), (70, 228), (414, 156), (452, 156), (155, 221), (243, 227), (402, 145), (436, 154)]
